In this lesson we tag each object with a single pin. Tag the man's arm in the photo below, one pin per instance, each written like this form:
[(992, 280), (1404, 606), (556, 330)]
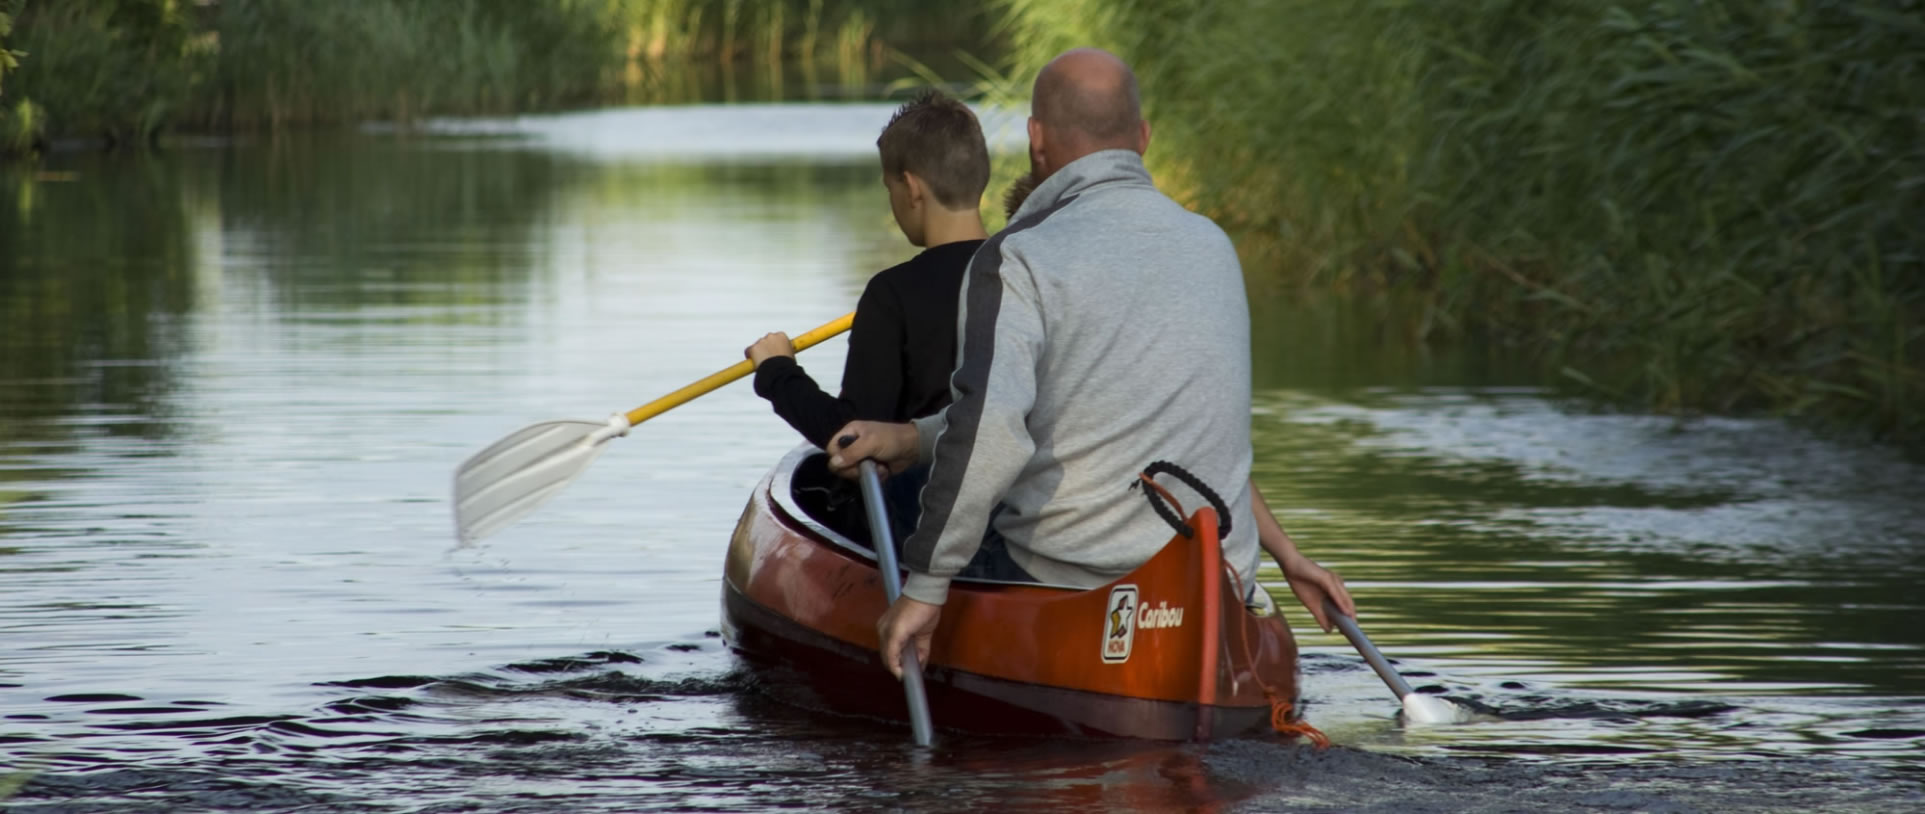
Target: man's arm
[(986, 439), (983, 441), (1309, 581)]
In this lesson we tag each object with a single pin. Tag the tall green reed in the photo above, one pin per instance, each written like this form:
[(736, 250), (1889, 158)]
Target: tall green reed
[(116, 70), (124, 69), (19, 127), (1694, 203)]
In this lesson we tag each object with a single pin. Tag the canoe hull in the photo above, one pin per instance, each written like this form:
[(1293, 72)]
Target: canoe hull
[(1164, 653)]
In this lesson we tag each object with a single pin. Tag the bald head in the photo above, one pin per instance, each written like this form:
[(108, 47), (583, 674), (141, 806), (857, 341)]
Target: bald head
[(1086, 100)]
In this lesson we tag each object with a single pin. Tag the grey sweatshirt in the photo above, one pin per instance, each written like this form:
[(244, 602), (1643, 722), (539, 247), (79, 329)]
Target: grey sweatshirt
[(1105, 328)]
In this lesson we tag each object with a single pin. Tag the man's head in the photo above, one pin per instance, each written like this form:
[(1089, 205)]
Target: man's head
[(933, 160), (1085, 100)]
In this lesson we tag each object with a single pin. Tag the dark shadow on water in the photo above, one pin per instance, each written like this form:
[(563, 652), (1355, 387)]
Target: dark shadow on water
[(584, 733)]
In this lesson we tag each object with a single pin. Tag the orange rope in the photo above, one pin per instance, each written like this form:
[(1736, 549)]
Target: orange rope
[(1280, 708), (1165, 493), (1280, 719)]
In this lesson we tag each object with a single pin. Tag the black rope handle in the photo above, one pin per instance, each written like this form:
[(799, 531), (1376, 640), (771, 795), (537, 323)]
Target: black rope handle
[(1165, 511)]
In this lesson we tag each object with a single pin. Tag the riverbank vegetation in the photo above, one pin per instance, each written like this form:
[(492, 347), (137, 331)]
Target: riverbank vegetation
[(122, 71), (1699, 206)]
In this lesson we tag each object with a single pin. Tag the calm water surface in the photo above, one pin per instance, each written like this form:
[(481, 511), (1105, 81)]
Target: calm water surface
[(235, 380)]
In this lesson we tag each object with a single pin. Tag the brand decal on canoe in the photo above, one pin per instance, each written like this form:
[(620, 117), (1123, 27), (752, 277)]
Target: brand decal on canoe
[(1160, 616), (1119, 624)]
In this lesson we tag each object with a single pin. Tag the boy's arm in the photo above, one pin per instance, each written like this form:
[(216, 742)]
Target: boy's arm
[(872, 371), (1312, 583), (816, 414)]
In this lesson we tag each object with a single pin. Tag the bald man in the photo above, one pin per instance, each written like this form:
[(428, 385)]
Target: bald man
[(1104, 329)]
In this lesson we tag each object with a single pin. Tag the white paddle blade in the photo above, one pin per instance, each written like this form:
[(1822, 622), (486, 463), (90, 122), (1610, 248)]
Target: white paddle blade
[(1429, 710), (502, 483)]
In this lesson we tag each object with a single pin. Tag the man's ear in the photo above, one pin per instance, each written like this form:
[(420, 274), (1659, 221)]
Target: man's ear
[(1038, 157), (1143, 138)]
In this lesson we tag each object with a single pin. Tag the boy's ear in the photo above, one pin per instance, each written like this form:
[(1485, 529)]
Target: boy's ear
[(918, 190)]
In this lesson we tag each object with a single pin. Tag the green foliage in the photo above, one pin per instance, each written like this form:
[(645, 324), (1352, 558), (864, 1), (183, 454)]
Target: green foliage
[(124, 69), (1703, 204), (20, 121), (112, 69), (283, 62), (9, 59)]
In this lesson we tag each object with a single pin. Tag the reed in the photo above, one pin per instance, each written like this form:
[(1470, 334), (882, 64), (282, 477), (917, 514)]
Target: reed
[(1698, 205), (112, 70), (123, 70), (19, 127)]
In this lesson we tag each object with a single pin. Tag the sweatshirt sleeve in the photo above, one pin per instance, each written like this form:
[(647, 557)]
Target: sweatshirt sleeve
[(871, 375), (798, 399), (983, 441)]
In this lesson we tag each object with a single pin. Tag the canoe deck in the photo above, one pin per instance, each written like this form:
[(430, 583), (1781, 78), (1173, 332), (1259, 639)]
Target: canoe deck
[(1167, 652)]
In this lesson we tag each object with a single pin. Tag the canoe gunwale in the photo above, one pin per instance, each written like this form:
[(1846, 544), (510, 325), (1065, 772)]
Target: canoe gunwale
[(782, 496)]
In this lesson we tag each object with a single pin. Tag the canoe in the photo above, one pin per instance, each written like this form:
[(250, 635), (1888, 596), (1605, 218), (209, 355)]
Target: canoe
[(1166, 652)]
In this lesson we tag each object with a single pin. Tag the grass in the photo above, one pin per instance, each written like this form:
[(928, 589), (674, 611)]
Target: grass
[(122, 71), (112, 70), (1693, 205), (17, 127)]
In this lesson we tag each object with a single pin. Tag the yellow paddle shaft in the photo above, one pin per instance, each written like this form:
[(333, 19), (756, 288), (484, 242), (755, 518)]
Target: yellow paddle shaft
[(731, 373)]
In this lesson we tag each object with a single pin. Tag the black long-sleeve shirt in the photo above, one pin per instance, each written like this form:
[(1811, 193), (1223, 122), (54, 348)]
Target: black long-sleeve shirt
[(902, 348)]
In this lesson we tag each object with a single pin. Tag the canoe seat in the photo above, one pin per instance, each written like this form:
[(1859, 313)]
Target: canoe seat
[(834, 502)]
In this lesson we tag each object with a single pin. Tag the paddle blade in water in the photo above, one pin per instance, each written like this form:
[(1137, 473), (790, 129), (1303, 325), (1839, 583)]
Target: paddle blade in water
[(502, 483), (1429, 710)]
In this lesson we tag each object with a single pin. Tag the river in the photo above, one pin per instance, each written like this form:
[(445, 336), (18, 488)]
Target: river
[(237, 376)]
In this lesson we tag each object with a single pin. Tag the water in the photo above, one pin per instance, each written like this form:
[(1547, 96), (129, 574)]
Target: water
[(235, 380)]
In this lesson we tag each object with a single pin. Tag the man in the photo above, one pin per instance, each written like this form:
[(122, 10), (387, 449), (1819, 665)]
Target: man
[(1104, 329)]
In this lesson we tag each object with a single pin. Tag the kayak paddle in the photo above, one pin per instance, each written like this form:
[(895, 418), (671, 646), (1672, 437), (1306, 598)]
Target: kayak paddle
[(1418, 708), (885, 544), (509, 479)]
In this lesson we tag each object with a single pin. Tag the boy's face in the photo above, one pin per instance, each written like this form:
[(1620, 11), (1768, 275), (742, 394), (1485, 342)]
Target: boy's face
[(903, 205)]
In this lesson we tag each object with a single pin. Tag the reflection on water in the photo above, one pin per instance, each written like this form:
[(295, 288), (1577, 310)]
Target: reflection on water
[(235, 381), (1610, 550)]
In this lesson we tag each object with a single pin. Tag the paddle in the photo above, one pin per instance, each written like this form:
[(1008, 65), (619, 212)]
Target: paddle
[(1418, 708), (509, 479), (885, 544)]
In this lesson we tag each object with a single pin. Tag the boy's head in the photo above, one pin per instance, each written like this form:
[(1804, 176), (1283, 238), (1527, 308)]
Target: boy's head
[(933, 156)]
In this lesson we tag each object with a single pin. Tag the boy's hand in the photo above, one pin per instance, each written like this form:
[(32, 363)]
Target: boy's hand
[(775, 344), (1313, 583)]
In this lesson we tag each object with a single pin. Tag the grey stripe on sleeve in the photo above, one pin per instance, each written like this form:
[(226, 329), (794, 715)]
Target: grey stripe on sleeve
[(969, 390)]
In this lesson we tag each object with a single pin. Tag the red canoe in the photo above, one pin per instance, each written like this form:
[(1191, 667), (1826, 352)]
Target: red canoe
[(1165, 653)]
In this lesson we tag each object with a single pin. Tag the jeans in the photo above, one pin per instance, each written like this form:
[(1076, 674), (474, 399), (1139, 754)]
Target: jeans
[(903, 495)]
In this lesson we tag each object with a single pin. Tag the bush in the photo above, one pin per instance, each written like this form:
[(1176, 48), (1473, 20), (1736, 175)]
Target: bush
[(117, 70), (1694, 203)]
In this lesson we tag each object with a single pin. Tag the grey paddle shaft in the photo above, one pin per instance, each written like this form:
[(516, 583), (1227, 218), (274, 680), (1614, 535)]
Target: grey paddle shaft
[(885, 544), (1362, 643)]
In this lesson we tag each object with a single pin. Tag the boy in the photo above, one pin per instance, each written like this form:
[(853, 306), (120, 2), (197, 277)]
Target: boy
[(902, 345)]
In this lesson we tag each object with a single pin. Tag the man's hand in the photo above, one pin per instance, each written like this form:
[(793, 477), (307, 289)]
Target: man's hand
[(1312, 583), (907, 620), (769, 346), (891, 446)]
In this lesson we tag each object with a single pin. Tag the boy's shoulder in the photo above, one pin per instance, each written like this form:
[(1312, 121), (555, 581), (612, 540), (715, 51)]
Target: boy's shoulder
[(941, 265)]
